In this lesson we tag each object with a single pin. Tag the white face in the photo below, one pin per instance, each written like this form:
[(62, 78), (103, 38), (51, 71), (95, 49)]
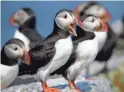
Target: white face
[(20, 17), (96, 10), (13, 51), (63, 19), (91, 24)]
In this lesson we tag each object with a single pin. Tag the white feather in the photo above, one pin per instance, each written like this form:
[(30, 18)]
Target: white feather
[(85, 54), (22, 37), (101, 38), (8, 74)]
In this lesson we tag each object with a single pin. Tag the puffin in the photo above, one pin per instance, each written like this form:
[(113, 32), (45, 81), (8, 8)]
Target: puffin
[(11, 53), (54, 51), (81, 55), (25, 20), (107, 39), (118, 27), (85, 49), (122, 35)]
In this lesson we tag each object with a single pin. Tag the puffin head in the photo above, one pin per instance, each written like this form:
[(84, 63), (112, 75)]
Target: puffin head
[(92, 23), (15, 49), (65, 20), (21, 16), (93, 8)]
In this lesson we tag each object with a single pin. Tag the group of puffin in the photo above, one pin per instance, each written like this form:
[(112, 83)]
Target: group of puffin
[(66, 51)]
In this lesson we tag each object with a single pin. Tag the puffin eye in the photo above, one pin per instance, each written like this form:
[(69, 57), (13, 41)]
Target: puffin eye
[(15, 48), (92, 20), (65, 16)]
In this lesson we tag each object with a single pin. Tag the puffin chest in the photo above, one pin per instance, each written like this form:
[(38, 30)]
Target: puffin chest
[(87, 49), (101, 38), (8, 75), (64, 49), (22, 37)]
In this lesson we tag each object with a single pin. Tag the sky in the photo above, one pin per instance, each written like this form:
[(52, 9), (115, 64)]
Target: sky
[(45, 12)]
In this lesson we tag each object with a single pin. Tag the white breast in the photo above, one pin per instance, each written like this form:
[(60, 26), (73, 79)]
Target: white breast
[(64, 49), (8, 74), (101, 38), (22, 37), (87, 50), (85, 54)]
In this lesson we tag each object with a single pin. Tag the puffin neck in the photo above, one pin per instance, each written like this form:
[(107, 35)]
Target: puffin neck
[(80, 32), (30, 23), (5, 60), (62, 33)]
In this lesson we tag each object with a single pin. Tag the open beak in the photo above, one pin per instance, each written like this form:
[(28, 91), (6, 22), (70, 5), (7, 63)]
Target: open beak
[(103, 27), (12, 20), (25, 58), (71, 29), (106, 16)]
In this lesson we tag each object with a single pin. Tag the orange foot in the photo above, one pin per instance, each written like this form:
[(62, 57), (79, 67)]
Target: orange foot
[(47, 89), (51, 90), (72, 85)]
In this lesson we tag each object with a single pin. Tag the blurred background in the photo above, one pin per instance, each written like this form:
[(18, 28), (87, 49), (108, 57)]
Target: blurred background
[(45, 12)]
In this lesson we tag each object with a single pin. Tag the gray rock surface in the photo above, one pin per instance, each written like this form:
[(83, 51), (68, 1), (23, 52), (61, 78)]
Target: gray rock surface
[(29, 83), (99, 85)]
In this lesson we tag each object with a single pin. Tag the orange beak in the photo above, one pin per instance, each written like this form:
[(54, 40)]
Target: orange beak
[(12, 20), (104, 26), (72, 30), (26, 57)]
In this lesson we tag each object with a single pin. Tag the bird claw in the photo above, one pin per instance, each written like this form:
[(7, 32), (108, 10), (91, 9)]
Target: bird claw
[(51, 90)]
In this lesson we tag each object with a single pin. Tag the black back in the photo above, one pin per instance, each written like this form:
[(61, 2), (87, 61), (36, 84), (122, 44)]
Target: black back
[(29, 30), (108, 47), (33, 35)]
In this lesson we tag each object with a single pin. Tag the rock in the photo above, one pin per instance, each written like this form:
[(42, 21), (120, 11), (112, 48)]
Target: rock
[(95, 85)]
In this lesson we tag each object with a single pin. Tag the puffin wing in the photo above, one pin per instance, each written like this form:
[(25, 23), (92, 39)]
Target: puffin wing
[(43, 53), (40, 56), (111, 42)]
